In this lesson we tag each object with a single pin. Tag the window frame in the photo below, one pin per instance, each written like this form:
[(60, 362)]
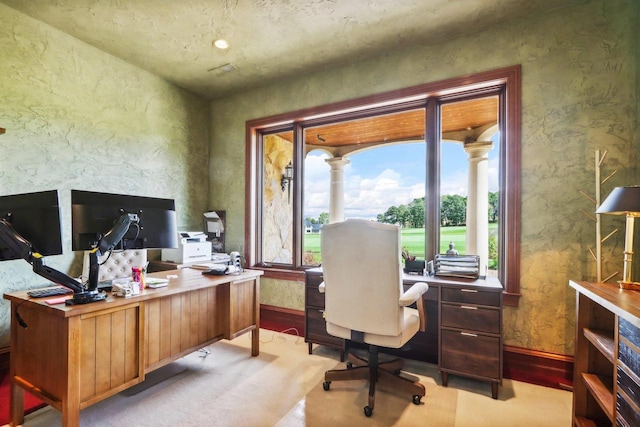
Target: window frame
[(505, 81)]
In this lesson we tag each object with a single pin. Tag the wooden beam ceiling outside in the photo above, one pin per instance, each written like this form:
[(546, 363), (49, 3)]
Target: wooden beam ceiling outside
[(399, 127)]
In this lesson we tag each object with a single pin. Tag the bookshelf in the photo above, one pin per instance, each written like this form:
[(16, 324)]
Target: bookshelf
[(606, 389)]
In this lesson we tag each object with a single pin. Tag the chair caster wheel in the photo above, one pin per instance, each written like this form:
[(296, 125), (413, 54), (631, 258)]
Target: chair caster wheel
[(416, 399), (368, 411), (325, 385), (349, 365)]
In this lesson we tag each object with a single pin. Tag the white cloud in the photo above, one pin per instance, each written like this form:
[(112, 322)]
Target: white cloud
[(364, 197), (456, 183), (367, 196)]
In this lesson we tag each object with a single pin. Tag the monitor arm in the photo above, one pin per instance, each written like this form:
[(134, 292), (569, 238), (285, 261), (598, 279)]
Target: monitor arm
[(107, 242), (21, 247)]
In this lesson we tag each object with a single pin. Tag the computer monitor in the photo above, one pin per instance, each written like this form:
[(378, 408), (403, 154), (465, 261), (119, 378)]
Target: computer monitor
[(94, 214), (35, 217), (30, 230), (101, 222)]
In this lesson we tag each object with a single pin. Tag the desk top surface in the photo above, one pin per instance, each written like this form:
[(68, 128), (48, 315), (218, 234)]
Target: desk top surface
[(180, 281)]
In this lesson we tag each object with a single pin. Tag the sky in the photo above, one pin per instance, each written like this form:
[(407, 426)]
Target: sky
[(389, 176)]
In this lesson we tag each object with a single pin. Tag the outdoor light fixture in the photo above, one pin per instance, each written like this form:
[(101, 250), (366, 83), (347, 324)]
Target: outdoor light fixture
[(287, 177), (625, 201)]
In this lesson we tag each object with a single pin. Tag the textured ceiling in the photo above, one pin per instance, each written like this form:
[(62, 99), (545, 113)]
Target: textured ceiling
[(271, 40)]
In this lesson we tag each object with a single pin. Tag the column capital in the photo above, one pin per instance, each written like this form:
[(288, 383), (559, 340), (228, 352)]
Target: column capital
[(477, 148), (335, 162)]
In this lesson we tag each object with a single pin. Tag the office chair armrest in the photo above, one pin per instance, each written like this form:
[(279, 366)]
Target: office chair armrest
[(321, 288), (412, 294)]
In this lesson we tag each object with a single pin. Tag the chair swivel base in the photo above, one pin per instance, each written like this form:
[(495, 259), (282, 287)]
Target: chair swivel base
[(388, 372)]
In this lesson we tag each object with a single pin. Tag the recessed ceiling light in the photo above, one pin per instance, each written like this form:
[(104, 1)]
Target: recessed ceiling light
[(221, 44)]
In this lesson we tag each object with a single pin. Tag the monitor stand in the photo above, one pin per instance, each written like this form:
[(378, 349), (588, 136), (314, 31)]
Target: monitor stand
[(86, 297)]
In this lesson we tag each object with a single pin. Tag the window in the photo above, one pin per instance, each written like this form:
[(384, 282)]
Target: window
[(318, 144)]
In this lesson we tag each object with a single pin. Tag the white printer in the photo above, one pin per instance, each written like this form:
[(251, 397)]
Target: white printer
[(192, 247)]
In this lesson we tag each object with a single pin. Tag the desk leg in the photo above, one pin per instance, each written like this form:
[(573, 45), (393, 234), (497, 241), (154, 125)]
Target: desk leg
[(255, 335), (255, 342), (445, 378), (70, 415), (71, 400), (16, 404)]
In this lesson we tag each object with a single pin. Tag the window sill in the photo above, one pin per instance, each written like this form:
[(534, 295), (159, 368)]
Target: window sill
[(510, 299), (281, 273)]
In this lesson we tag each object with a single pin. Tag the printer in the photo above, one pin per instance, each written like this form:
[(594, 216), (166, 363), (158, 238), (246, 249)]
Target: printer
[(192, 247)]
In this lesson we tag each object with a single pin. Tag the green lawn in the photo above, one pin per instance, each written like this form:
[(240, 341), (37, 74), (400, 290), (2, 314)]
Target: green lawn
[(412, 239)]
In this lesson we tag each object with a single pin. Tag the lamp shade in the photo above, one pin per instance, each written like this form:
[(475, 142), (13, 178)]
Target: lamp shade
[(622, 200)]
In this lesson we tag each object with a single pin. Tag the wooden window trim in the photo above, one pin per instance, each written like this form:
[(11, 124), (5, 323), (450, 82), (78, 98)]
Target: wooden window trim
[(510, 167)]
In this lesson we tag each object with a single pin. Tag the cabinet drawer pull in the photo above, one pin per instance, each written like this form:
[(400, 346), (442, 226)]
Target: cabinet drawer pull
[(475, 291), (467, 334), (468, 307)]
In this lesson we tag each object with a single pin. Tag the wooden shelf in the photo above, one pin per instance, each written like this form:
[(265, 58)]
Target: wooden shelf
[(607, 318), (601, 389), (602, 341)]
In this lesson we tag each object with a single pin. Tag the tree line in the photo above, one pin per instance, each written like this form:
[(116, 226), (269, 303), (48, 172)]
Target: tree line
[(453, 211)]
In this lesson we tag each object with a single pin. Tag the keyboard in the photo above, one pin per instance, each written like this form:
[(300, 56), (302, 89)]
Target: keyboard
[(49, 292)]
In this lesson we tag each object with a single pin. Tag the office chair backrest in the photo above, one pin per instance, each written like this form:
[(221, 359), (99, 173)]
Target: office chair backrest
[(362, 276), (118, 265)]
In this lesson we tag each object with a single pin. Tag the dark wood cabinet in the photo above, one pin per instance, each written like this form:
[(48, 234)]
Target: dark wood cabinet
[(471, 333), (315, 326), (606, 385), (464, 326)]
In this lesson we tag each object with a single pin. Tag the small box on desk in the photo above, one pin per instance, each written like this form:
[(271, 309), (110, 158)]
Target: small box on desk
[(415, 266)]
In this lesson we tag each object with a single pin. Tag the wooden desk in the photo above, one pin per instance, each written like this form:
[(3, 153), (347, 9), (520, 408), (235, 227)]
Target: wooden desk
[(74, 356), (464, 326)]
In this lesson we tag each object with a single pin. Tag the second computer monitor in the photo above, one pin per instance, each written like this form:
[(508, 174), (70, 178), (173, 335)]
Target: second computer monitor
[(93, 214)]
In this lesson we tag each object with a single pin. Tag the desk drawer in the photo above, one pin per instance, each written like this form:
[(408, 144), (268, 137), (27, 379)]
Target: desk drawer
[(473, 354), (317, 329), (471, 318), (314, 297), (471, 296)]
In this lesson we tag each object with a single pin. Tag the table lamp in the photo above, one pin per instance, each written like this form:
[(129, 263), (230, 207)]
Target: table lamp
[(624, 201)]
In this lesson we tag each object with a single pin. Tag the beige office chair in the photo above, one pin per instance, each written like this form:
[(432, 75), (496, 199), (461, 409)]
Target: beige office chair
[(116, 266), (365, 301)]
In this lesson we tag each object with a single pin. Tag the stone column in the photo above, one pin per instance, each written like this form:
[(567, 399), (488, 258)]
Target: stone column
[(478, 202), (336, 199)]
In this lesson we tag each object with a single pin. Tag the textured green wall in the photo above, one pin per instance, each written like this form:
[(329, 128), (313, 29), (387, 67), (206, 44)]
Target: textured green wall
[(78, 118), (579, 78)]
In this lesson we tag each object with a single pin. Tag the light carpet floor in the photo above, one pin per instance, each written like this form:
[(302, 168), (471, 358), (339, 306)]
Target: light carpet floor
[(283, 387)]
